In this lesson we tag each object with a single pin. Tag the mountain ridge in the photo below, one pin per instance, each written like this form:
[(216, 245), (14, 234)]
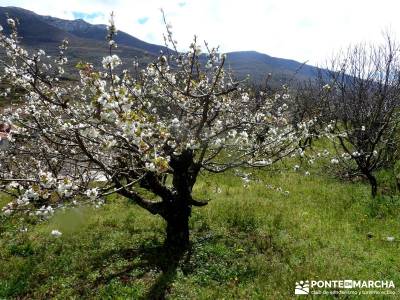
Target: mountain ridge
[(87, 42)]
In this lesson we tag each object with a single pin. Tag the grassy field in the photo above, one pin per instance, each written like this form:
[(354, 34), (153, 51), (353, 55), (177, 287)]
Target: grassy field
[(248, 243)]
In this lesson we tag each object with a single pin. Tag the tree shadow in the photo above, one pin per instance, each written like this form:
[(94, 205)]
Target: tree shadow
[(169, 265), (148, 257)]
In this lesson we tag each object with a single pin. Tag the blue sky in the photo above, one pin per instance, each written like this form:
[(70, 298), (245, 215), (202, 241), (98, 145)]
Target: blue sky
[(306, 30), (143, 20), (87, 16)]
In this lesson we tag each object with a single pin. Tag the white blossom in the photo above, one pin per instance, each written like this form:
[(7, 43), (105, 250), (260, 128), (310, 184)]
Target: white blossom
[(11, 22), (113, 130), (56, 233), (92, 193), (111, 61), (334, 161)]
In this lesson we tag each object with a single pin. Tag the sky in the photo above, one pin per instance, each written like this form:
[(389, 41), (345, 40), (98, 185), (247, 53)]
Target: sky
[(305, 30)]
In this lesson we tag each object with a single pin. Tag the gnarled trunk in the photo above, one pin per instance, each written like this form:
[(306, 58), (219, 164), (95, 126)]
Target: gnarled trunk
[(178, 208), (176, 214), (178, 230), (373, 183)]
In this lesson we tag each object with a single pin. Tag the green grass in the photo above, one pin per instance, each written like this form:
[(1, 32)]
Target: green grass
[(248, 243)]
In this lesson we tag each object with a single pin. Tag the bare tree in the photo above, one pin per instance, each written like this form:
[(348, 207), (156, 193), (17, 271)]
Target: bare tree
[(308, 105), (362, 94)]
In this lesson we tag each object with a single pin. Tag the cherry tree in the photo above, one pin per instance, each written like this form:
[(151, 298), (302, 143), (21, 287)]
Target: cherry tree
[(361, 98), (132, 133)]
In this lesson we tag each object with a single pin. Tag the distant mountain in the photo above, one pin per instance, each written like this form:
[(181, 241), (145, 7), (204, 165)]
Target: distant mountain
[(87, 42), (82, 29), (32, 27), (42, 32), (259, 65)]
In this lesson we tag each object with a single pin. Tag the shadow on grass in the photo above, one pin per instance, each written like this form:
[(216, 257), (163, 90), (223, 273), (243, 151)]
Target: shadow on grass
[(146, 271), (148, 259), (158, 266), (169, 266)]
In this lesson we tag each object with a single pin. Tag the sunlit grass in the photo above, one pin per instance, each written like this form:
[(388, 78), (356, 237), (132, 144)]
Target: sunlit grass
[(248, 243)]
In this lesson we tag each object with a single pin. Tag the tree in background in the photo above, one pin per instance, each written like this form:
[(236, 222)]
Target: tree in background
[(361, 98), (132, 133)]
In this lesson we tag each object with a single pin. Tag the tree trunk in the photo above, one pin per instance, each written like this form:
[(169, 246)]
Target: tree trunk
[(374, 185), (178, 229), (178, 208)]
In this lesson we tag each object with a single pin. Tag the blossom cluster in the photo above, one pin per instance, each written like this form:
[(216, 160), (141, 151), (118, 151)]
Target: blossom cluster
[(123, 127)]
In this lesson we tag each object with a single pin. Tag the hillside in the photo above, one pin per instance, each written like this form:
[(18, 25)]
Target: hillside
[(259, 65), (37, 32), (87, 42)]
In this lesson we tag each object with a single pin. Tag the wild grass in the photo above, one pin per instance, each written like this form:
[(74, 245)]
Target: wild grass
[(248, 243)]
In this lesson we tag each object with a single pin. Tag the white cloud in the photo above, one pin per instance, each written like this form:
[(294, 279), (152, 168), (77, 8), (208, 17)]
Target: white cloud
[(308, 30)]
